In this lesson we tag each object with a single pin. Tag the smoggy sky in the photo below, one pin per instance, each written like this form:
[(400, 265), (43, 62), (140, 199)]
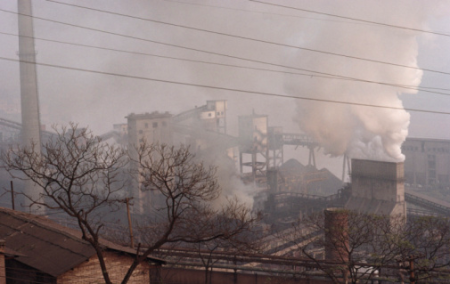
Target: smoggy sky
[(99, 100)]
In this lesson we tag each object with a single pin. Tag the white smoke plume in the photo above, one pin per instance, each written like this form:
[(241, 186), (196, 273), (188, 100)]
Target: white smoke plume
[(214, 151), (360, 131)]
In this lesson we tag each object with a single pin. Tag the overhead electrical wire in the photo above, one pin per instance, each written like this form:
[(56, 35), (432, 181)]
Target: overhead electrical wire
[(255, 39), (422, 88), (254, 12), (228, 56), (267, 94), (353, 19)]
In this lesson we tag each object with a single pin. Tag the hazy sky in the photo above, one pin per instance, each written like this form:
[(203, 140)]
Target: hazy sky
[(99, 101)]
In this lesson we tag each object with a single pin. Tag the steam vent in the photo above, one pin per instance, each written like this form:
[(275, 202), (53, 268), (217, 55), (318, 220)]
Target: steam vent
[(377, 188)]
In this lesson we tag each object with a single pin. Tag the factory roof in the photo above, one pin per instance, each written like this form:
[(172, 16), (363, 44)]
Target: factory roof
[(370, 206), (47, 246), (153, 115), (410, 139), (253, 115)]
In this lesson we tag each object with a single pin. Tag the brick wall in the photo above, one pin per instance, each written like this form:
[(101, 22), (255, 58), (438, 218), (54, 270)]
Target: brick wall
[(117, 264), (194, 276), (2, 263)]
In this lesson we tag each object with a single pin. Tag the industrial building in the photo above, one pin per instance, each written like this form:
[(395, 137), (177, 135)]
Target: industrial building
[(287, 189), (377, 188), (427, 163), (152, 127)]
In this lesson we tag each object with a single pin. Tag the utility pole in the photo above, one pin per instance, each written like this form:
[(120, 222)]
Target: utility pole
[(412, 277), (31, 125), (409, 268), (127, 201), (12, 196)]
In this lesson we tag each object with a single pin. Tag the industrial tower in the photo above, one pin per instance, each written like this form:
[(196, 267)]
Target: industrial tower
[(31, 133)]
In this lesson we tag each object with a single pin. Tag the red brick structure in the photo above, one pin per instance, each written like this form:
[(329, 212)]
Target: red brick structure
[(194, 276), (117, 264), (336, 235), (40, 251)]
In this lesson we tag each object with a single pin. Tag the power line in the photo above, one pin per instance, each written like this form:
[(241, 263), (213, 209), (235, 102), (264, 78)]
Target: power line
[(422, 88), (255, 39), (166, 57), (232, 56), (159, 42), (254, 12), (224, 88), (353, 19)]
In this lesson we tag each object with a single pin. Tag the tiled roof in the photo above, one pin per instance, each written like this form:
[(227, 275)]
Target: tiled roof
[(45, 245)]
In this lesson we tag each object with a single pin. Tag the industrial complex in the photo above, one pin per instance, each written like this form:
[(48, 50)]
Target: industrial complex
[(251, 163)]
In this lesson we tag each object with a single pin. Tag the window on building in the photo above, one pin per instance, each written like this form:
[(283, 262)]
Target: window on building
[(140, 131), (164, 124), (155, 124), (146, 125)]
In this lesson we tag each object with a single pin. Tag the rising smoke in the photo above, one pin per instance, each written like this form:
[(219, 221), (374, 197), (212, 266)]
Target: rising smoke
[(360, 131), (213, 150)]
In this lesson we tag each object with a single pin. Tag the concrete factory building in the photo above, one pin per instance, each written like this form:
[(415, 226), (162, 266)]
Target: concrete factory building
[(210, 117), (152, 127), (377, 188), (427, 163)]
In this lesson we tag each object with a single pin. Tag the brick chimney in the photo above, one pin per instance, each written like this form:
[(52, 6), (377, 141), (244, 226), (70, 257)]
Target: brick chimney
[(336, 235)]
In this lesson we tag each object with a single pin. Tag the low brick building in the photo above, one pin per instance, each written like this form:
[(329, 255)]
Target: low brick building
[(39, 250)]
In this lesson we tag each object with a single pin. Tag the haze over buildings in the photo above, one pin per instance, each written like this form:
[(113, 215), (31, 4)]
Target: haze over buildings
[(79, 38), (278, 95)]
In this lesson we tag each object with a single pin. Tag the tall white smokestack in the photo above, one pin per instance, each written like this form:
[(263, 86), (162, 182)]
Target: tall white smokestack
[(28, 87)]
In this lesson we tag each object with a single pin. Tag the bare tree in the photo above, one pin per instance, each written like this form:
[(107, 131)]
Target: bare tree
[(356, 248), (212, 252), (85, 177), (347, 246), (77, 174), (188, 191), (423, 247)]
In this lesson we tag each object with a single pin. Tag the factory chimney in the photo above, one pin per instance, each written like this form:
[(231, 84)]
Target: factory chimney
[(336, 235), (31, 133), (377, 188)]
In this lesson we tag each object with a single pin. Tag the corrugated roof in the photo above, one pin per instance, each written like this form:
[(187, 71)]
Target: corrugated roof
[(41, 247), (45, 245), (370, 206)]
